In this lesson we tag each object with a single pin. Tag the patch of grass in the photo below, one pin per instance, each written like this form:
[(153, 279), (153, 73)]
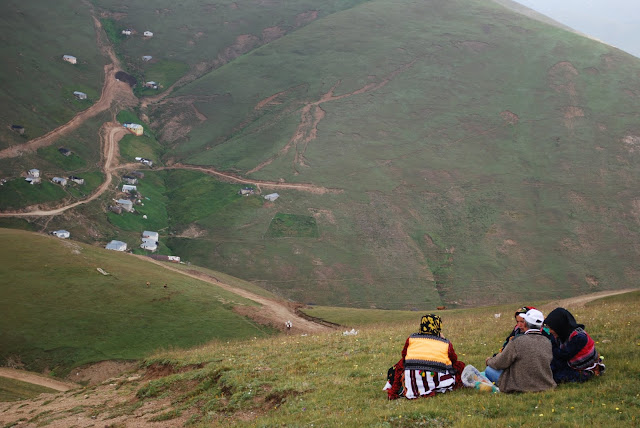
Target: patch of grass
[(14, 390), (104, 317), (336, 379), (292, 226), (72, 162), (165, 73), (18, 193), (193, 196)]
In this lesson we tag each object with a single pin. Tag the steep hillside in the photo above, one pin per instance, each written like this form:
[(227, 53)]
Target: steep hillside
[(37, 89), (425, 153), (473, 154)]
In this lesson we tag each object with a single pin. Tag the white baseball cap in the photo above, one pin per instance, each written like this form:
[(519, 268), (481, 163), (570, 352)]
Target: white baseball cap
[(533, 317)]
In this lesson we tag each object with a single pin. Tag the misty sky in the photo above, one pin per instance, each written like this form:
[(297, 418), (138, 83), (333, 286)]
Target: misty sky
[(616, 22)]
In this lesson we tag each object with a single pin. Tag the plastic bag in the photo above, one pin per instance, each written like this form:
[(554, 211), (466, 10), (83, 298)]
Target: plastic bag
[(472, 378)]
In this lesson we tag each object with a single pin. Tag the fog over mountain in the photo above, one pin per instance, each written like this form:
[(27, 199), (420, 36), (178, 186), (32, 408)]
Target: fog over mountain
[(616, 22)]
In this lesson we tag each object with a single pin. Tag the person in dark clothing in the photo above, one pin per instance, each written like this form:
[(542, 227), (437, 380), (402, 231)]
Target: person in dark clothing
[(575, 358)]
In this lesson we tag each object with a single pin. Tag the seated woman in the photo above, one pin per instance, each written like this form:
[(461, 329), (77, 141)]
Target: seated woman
[(575, 358), (493, 374), (428, 365)]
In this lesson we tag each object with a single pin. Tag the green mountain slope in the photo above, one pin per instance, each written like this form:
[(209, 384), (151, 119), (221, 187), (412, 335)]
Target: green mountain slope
[(457, 153), (479, 153), (59, 311)]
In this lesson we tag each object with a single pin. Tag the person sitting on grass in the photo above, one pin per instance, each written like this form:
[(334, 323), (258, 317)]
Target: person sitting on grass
[(493, 374), (575, 358), (525, 363), (428, 365)]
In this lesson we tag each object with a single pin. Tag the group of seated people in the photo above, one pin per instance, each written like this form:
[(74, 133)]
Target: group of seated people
[(538, 354)]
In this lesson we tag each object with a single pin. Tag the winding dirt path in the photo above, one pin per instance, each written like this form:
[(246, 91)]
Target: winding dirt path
[(273, 312), (36, 379), (258, 183)]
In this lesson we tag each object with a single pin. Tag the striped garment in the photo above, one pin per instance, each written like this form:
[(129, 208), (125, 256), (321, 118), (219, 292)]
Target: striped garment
[(420, 383)]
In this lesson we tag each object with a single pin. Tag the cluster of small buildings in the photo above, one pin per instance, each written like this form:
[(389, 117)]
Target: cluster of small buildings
[(129, 187), (34, 177)]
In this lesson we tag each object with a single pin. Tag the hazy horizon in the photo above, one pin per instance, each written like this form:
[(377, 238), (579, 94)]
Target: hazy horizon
[(615, 22)]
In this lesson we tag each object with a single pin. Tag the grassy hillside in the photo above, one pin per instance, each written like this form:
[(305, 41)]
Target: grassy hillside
[(38, 86), (61, 312), (477, 150), (336, 380), (471, 155)]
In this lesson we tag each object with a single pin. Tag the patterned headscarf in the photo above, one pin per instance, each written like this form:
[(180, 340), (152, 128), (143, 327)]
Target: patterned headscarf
[(431, 324), (523, 310)]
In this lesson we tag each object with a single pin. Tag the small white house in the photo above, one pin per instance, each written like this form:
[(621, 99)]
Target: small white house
[(147, 162), (116, 246), (127, 31), (76, 180), (80, 95), (147, 57), (129, 188), (59, 180), (147, 234), (151, 84), (126, 204), (149, 244), (271, 197), (147, 34), (70, 59), (64, 234), (35, 173)]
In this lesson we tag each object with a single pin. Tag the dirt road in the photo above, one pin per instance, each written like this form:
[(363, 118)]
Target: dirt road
[(110, 134), (36, 379), (274, 313)]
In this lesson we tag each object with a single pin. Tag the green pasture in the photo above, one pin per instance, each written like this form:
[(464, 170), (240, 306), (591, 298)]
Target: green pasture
[(66, 313), (292, 226), (39, 85), (336, 380), (17, 193)]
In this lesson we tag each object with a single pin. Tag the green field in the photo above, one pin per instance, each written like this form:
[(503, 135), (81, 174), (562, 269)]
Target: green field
[(335, 380), (65, 313)]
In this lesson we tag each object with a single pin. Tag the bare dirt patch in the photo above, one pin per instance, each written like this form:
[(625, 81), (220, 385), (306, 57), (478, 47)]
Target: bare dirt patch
[(306, 17), (93, 374), (509, 117)]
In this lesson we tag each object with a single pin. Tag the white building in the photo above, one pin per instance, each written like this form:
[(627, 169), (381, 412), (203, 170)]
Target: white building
[(147, 34), (80, 95), (127, 32), (60, 180), (147, 57), (126, 204), (70, 59), (148, 244), (129, 188), (271, 197), (147, 234), (35, 173), (64, 234), (116, 246)]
